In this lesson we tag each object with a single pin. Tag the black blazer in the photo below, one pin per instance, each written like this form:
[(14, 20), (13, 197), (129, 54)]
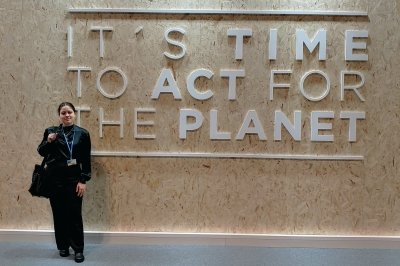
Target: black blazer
[(57, 152)]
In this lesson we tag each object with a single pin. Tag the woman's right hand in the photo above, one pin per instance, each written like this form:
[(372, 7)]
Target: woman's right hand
[(51, 137)]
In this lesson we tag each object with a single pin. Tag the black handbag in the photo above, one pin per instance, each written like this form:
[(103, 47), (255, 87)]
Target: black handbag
[(39, 186)]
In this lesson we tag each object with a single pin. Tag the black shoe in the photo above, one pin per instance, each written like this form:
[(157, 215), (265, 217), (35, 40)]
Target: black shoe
[(64, 252), (79, 257)]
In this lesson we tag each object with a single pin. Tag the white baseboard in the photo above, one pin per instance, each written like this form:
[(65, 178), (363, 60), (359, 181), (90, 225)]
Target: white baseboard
[(213, 239)]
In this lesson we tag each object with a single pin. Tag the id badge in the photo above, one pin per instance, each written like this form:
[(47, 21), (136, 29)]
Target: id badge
[(71, 162)]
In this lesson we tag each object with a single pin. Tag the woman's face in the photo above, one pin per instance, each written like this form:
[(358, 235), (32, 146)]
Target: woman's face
[(67, 115)]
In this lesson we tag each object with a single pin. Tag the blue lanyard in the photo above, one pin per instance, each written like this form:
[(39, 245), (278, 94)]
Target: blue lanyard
[(70, 147)]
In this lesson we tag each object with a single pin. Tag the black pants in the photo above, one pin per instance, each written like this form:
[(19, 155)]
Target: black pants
[(67, 215)]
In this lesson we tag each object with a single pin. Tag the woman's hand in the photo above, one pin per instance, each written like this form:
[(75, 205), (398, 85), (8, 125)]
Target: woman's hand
[(80, 189), (51, 137)]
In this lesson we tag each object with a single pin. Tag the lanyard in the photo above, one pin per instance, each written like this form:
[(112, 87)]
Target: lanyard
[(70, 147)]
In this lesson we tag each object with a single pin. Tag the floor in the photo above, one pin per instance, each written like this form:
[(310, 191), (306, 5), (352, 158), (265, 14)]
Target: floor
[(43, 254)]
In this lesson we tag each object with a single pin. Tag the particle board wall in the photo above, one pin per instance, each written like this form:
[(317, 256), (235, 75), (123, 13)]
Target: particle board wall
[(235, 195)]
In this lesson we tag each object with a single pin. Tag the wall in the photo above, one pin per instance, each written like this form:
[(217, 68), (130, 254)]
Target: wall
[(235, 195)]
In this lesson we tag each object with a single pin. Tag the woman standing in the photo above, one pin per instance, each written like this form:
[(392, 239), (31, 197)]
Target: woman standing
[(67, 151)]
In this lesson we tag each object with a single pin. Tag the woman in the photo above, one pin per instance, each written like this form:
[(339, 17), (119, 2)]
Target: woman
[(67, 151)]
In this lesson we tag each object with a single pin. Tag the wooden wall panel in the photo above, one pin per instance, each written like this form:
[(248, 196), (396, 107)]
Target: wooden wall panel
[(358, 197)]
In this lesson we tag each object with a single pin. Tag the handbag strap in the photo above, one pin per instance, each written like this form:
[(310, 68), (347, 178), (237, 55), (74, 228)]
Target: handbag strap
[(43, 162)]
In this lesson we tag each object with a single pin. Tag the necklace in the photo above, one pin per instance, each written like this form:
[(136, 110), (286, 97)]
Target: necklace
[(67, 130)]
